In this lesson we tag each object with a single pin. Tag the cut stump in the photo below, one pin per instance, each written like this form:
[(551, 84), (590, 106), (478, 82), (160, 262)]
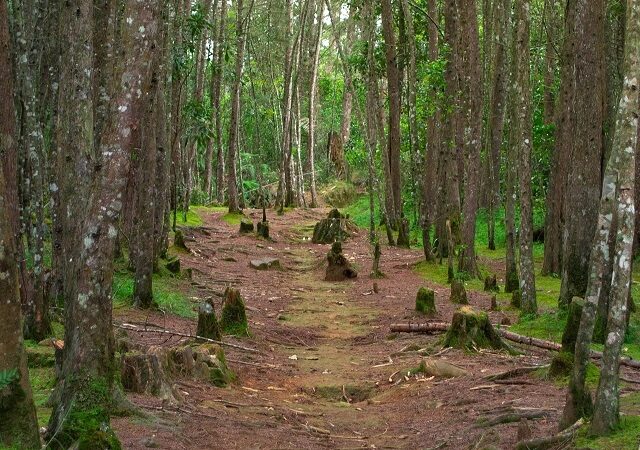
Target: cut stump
[(491, 283), (207, 323), (234, 317), (425, 301), (338, 268), (246, 226), (336, 227), (458, 293), (471, 330), (263, 229)]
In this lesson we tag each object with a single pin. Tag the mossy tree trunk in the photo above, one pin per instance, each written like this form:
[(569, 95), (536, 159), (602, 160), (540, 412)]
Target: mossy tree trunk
[(617, 199), (522, 137), (82, 416), (18, 422)]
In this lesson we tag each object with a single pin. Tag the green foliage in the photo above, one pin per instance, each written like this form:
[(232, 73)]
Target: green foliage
[(8, 377), (168, 293)]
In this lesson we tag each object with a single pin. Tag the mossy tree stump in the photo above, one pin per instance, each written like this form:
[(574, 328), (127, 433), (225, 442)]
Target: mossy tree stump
[(246, 226), (471, 330), (491, 283), (178, 240), (263, 229), (147, 373), (562, 362), (173, 266), (207, 322), (338, 268), (425, 301), (332, 229), (233, 319), (458, 293)]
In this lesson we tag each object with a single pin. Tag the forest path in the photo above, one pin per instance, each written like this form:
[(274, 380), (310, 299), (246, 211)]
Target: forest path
[(329, 374)]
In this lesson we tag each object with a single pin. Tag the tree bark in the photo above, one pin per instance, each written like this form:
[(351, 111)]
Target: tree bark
[(607, 404), (393, 87), (522, 138), (82, 415), (470, 73), (232, 180), (584, 173), (616, 200), (18, 421), (313, 95)]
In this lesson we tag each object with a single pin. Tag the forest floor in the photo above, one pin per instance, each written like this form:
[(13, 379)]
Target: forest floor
[(329, 373)]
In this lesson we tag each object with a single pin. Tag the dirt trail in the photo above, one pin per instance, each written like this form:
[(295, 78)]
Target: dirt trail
[(322, 378)]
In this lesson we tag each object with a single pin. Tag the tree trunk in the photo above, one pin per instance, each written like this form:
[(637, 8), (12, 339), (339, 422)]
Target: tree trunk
[(347, 98), (565, 126), (82, 415), (393, 87), (470, 73), (208, 158), (522, 138), (584, 174), (607, 408), (617, 199), (220, 60), (498, 97), (313, 95), (232, 180), (18, 421)]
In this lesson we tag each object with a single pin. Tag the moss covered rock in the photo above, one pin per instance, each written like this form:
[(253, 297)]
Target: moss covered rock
[(458, 293), (234, 317), (425, 301), (210, 365), (471, 330)]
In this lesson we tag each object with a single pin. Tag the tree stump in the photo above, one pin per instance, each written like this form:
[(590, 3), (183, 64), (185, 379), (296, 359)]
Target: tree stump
[(425, 301), (178, 240), (338, 268), (334, 228), (173, 266), (146, 373), (471, 330), (491, 283), (210, 365), (234, 317), (207, 322), (263, 229), (246, 226), (458, 293)]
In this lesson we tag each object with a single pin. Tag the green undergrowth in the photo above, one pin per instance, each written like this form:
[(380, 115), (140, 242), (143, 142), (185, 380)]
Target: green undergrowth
[(169, 292), (626, 437)]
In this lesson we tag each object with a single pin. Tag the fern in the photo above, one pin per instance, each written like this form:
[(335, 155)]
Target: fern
[(7, 377)]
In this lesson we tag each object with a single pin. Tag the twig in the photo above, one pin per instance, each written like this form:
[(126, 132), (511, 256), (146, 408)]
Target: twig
[(190, 336)]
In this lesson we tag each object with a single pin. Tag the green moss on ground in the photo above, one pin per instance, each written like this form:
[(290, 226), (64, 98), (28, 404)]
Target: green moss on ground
[(624, 438)]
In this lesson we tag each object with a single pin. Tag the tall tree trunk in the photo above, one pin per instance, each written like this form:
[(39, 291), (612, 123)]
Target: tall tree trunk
[(565, 126), (18, 421), (584, 173), (522, 138), (313, 96), (550, 13), (232, 180), (393, 87), (208, 158), (472, 104), (498, 97), (429, 180), (347, 98), (220, 60), (617, 200), (82, 415)]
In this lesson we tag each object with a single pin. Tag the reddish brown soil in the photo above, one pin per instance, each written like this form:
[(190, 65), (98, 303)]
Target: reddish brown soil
[(340, 335)]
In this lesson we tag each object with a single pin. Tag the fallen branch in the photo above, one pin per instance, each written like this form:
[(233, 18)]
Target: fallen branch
[(435, 327), (550, 441), (185, 335), (513, 373), (512, 417)]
